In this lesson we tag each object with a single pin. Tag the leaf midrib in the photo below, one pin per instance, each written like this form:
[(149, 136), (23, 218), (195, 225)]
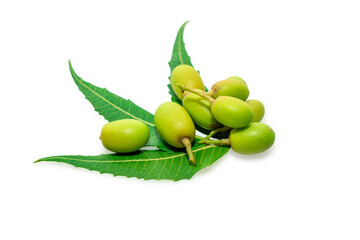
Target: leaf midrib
[(151, 124), (134, 160), (179, 47)]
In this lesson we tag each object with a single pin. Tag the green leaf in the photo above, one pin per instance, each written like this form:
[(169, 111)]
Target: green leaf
[(179, 56), (146, 164), (113, 107)]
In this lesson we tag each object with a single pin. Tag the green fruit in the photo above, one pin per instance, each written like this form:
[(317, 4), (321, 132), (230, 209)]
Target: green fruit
[(255, 138), (238, 79), (200, 111), (232, 112), (232, 86), (186, 75), (175, 127), (173, 123), (258, 109), (124, 136)]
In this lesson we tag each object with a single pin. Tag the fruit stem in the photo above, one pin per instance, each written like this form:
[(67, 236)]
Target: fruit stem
[(213, 132), (187, 144), (196, 91), (220, 142), (210, 93)]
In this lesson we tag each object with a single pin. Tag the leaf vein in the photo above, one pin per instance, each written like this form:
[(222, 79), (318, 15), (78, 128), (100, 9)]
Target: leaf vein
[(112, 104)]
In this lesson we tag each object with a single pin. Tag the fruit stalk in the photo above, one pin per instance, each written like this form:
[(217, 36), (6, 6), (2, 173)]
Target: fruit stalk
[(210, 93), (187, 144), (196, 91), (213, 132), (220, 142)]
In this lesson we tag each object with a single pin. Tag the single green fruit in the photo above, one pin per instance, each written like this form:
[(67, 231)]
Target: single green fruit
[(238, 79), (258, 109), (186, 75), (175, 127), (232, 86), (200, 111), (124, 136), (232, 112), (255, 138)]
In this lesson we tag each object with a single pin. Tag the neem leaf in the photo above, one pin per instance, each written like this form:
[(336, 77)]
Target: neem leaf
[(112, 107), (147, 164), (179, 56)]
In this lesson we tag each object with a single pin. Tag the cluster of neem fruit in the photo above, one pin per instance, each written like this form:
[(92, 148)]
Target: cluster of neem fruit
[(224, 108)]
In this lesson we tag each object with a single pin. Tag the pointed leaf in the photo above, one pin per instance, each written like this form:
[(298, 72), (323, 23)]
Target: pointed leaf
[(179, 56), (147, 164), (113, 107)]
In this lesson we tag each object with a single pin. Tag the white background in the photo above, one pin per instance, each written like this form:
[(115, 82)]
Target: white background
[(301, 58)]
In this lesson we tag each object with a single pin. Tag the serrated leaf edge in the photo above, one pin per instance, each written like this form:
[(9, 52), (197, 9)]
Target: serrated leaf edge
[(179, 42), (79, 80)]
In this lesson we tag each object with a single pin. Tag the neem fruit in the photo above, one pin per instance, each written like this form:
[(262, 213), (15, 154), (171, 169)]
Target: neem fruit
[(258, 109), (232, 112), (229, 111), (232, 86), (255, 138), (186, 75), (200, 111), (175, 127), (125, 135)]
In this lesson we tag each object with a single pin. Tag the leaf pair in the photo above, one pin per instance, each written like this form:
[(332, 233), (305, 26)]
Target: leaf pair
[(164, 163)]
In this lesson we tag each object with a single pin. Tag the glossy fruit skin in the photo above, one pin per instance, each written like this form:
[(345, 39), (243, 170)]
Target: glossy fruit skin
[(232, 112), (258, 109), (125, 135), (232, 86), (200, 111), (188, 76), (173, 123), (255, 138)]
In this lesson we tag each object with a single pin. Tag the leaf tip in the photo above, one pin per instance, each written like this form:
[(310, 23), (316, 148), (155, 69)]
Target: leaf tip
[(73, 73), (70, 66)]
